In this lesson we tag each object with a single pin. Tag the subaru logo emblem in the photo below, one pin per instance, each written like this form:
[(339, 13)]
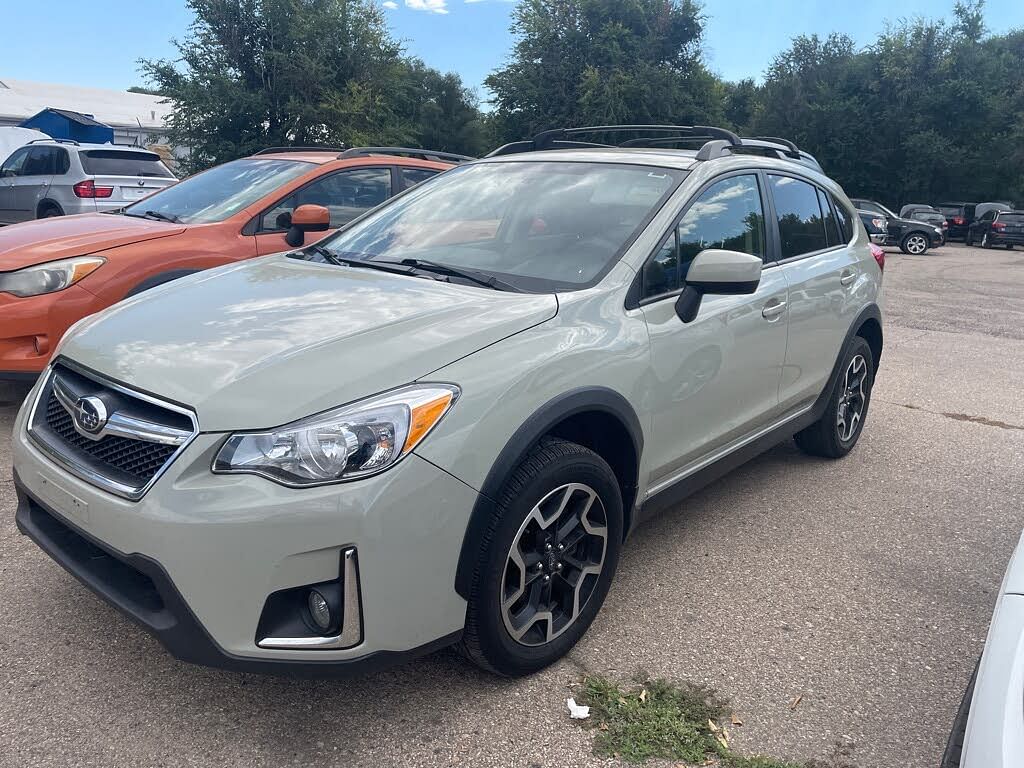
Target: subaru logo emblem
[(90, 414)]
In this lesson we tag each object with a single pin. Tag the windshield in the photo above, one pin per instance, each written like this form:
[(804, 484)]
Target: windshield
[(541, 226), (220, 192)]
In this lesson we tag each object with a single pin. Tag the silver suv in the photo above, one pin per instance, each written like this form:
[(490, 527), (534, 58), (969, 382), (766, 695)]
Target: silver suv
[(56, 178), (439, 425)]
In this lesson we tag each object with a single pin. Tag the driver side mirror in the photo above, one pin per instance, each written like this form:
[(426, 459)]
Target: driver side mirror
[(719, 272), (307, 218)]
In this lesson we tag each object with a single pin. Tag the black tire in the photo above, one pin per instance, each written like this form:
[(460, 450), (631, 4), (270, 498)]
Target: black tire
[(1009, 246), (823, 437), (48, 212), (955, 745), (914, 243), (968, 239), (550, 465)]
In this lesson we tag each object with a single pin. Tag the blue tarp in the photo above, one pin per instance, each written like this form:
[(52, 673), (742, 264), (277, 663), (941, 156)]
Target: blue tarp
[(65, 124)]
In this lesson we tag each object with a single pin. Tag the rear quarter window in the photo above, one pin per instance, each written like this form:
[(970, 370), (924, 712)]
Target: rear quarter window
[(113, 162)]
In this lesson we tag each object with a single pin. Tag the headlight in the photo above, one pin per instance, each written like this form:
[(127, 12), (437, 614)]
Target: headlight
[(49, 277), (342, 444)]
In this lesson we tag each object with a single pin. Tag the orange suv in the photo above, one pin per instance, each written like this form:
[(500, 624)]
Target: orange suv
[(55, 271)]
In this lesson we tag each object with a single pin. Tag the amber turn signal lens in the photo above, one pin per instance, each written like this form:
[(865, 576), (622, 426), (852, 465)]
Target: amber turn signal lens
[(423, 417)]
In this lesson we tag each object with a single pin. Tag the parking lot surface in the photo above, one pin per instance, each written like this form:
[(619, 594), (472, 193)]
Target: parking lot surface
[(863, 586)]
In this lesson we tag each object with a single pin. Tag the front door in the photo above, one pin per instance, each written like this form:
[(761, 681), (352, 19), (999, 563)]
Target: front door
[(33, 182), (9, 171), (715, 380)]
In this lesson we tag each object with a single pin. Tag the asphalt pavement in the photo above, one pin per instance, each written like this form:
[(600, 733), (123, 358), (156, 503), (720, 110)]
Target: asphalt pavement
[(864, 587)]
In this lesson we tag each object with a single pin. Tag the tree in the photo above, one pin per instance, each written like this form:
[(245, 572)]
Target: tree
[(586, 62), (258, 73)]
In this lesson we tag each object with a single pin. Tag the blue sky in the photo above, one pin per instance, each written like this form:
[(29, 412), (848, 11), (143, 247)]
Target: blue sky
[(92, 45)]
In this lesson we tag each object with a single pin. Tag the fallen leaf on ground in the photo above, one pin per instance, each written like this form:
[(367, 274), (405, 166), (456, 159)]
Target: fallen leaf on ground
[(735, 719), (643, 696), (603, 727), (795, 702), (712, 726)]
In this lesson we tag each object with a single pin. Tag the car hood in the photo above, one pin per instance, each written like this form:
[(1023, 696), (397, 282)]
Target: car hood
[(268, 341), (60, 237)]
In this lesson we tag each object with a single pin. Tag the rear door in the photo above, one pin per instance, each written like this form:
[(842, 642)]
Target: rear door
[(823, 272), (346, 194), (33, 182), (129, 174)]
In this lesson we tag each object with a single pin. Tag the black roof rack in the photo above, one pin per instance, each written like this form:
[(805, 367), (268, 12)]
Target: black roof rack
[(59, 141), (423, 154), (559, 138), (793, 149), (277, 150)]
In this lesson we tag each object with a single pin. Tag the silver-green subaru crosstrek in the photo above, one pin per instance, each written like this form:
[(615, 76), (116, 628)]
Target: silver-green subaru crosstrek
[(439, 425)]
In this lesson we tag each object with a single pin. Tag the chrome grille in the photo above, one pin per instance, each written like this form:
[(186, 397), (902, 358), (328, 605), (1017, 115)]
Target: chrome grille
[(126, 449)]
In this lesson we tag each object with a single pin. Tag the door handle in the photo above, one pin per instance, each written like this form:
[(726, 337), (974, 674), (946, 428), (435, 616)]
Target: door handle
[(773, 309), (847, 277)]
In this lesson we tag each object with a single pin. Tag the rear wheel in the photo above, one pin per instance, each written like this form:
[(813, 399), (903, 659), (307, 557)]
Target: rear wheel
[(915, 244), (837, 431), (48, 212), (547, 560), (985, 242), (969, 238)]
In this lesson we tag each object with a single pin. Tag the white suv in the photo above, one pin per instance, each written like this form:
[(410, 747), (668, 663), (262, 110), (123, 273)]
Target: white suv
[(56, 178), (440, 424)]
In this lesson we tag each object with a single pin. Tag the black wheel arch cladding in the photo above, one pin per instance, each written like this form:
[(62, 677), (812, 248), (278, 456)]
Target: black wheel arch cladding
[(600, 401)]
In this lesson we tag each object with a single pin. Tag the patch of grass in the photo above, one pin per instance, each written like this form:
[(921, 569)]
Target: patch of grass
[(661, 719)]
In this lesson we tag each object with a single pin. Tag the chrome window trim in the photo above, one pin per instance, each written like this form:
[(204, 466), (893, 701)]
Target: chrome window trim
[(129, 492)]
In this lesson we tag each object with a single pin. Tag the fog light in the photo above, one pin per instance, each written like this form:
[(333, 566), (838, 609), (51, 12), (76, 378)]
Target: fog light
[(319, 610)]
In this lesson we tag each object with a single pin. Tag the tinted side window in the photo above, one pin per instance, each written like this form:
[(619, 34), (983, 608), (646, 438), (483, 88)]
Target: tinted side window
[(13, 164), (728, 215), (39, 163), (345, 194), (63, 162), (831, 230), (413, 176), (661, 273), (846, 229), (801, 228)]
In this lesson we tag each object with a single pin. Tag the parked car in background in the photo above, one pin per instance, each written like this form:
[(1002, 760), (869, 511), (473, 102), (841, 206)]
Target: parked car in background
[(876, 226), (56, 271), (48, 178), (908, 209), (997, 227), (959, 216), (988, 731), (439, 425), (931, 216), (982, 208), (910, 235)]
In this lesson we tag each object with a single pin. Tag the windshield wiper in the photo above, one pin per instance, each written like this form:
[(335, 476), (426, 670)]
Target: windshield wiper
[(346, 261), (480, 278), (161, 216)]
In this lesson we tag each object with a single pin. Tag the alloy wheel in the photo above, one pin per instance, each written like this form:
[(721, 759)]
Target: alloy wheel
[(984, 240), (853, 398), (554, 564), (916, 244)]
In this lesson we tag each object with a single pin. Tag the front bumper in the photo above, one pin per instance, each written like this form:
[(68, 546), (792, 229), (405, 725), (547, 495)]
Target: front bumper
[(195, 560), (32, 326)]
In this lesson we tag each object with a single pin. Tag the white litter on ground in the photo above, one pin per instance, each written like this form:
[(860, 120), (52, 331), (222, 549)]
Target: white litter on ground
[(576, 712)]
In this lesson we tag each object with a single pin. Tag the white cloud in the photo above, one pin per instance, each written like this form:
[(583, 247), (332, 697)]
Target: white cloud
[(390, 4), (431, 6)]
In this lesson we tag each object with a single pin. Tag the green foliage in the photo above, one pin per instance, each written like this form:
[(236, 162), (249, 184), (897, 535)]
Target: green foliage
[(659, 719), (931, 111), (587, 62), (258, 73)]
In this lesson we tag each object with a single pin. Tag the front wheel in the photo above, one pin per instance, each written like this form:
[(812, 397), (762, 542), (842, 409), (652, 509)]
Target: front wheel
[(547, 560), (836, 432), (915, 244)]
